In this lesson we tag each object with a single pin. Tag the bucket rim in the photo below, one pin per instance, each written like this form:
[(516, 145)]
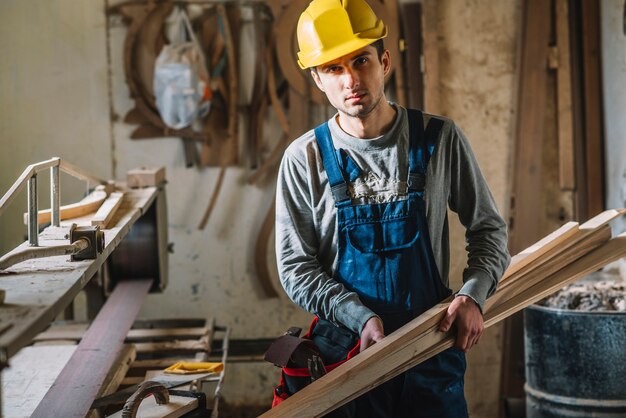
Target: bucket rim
[(561, 311)]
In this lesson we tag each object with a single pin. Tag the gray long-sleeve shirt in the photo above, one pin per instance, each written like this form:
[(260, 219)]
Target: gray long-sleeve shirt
[(306, 221)]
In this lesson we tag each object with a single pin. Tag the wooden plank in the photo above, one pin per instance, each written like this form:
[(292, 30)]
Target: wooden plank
[(530, 124), (557, 243), (578, 110), (594, 260), (82, 378), (161, 363), (132, 380), (179, 346), (420, 339), (63, 332), (179, 333), (31, 373), (593, 113), (115, 376), (393, 22), (538, 249), (107, 210), (170, 323), (524, 226), (588, 241), (76, 331), (56, 342), (88, 205), (565, 118), (127, 356), (412, 29), (145, 177), (55, 282), (261, 264), (176, 407)]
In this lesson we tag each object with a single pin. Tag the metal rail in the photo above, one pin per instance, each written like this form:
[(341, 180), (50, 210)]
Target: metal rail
[(29, 178), (218, 389)]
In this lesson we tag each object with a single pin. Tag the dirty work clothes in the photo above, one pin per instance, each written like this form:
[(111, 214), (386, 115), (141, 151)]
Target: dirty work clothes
[(306, 218), (385, 257)]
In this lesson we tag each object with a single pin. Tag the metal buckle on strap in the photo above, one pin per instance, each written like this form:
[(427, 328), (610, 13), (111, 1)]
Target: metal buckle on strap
[(417, 182), (340, 192)]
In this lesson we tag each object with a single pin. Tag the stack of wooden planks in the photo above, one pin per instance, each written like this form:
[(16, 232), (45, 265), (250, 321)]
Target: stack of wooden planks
[(560, 258)]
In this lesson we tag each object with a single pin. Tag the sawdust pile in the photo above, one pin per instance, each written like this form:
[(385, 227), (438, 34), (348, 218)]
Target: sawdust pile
[(605, 295)]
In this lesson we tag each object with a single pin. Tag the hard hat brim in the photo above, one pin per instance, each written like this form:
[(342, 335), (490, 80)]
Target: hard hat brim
[(315, 59)]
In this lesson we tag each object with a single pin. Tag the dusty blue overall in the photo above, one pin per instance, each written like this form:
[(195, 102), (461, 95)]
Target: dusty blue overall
[(385, 256)]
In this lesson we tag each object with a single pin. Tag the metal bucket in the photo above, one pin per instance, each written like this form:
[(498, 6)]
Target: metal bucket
[(575, 363)]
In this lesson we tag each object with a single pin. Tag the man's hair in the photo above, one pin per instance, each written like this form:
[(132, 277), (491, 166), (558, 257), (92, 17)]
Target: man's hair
[(379, 45), (380, 48)]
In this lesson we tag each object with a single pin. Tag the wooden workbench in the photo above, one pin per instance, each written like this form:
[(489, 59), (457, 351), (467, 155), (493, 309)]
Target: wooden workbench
[(38, 290)]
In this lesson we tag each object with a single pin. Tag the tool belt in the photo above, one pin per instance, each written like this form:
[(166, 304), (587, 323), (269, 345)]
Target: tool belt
[(323, 348)]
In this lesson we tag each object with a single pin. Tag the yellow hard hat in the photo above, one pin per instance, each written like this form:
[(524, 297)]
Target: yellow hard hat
[(329, 29)]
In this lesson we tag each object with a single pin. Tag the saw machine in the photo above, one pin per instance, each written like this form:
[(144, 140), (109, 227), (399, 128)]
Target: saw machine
[(114, 241)]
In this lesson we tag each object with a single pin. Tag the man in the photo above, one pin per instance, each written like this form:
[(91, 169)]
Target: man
[(361, 220)]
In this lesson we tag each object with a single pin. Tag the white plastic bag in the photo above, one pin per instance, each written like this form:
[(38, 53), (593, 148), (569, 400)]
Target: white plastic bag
[(181, 79)]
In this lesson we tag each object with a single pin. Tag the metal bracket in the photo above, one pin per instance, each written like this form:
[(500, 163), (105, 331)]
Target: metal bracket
[(94, 235)]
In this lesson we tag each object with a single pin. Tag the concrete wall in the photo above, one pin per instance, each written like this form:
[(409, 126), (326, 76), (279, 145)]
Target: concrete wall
[(479, 40), (58, 95)]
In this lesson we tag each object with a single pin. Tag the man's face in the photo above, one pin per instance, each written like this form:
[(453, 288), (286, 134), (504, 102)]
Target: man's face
[(354, 83)]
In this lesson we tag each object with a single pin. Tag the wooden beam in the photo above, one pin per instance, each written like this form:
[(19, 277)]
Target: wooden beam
[(80, 381), (105, 213), (593, 116), (412, 30), (525, 214), (180, 346), (420, 339), (116, 375), (554, 249), (76, 332), (177, 406), (160, 363), (145, 177), (531, 107), (166, 333), (88, 205), (127, 356), (32, 371), (565, 118)]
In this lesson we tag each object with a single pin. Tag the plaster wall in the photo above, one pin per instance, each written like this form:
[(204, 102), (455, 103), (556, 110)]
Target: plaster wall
[(478, 40), (53, 98)]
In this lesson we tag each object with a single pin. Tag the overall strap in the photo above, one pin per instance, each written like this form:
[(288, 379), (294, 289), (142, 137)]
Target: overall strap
[(422, 144), (338, 185)]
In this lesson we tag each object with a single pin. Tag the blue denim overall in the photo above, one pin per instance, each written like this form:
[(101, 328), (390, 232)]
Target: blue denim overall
[(385, 256)]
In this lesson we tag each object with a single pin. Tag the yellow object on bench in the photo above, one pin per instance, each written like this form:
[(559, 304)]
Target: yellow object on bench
[(189, 367)]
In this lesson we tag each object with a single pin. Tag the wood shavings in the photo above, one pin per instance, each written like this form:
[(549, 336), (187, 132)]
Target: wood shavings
[(605, 295)]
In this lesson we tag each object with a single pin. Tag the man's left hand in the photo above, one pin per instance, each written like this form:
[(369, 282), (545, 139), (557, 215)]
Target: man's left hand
[(466, 315)]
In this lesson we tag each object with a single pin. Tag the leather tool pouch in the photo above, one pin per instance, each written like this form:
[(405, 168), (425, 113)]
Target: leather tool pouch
[(335, 345)]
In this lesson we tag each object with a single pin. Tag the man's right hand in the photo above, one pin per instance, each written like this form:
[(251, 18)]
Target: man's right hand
[(372, 332)]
